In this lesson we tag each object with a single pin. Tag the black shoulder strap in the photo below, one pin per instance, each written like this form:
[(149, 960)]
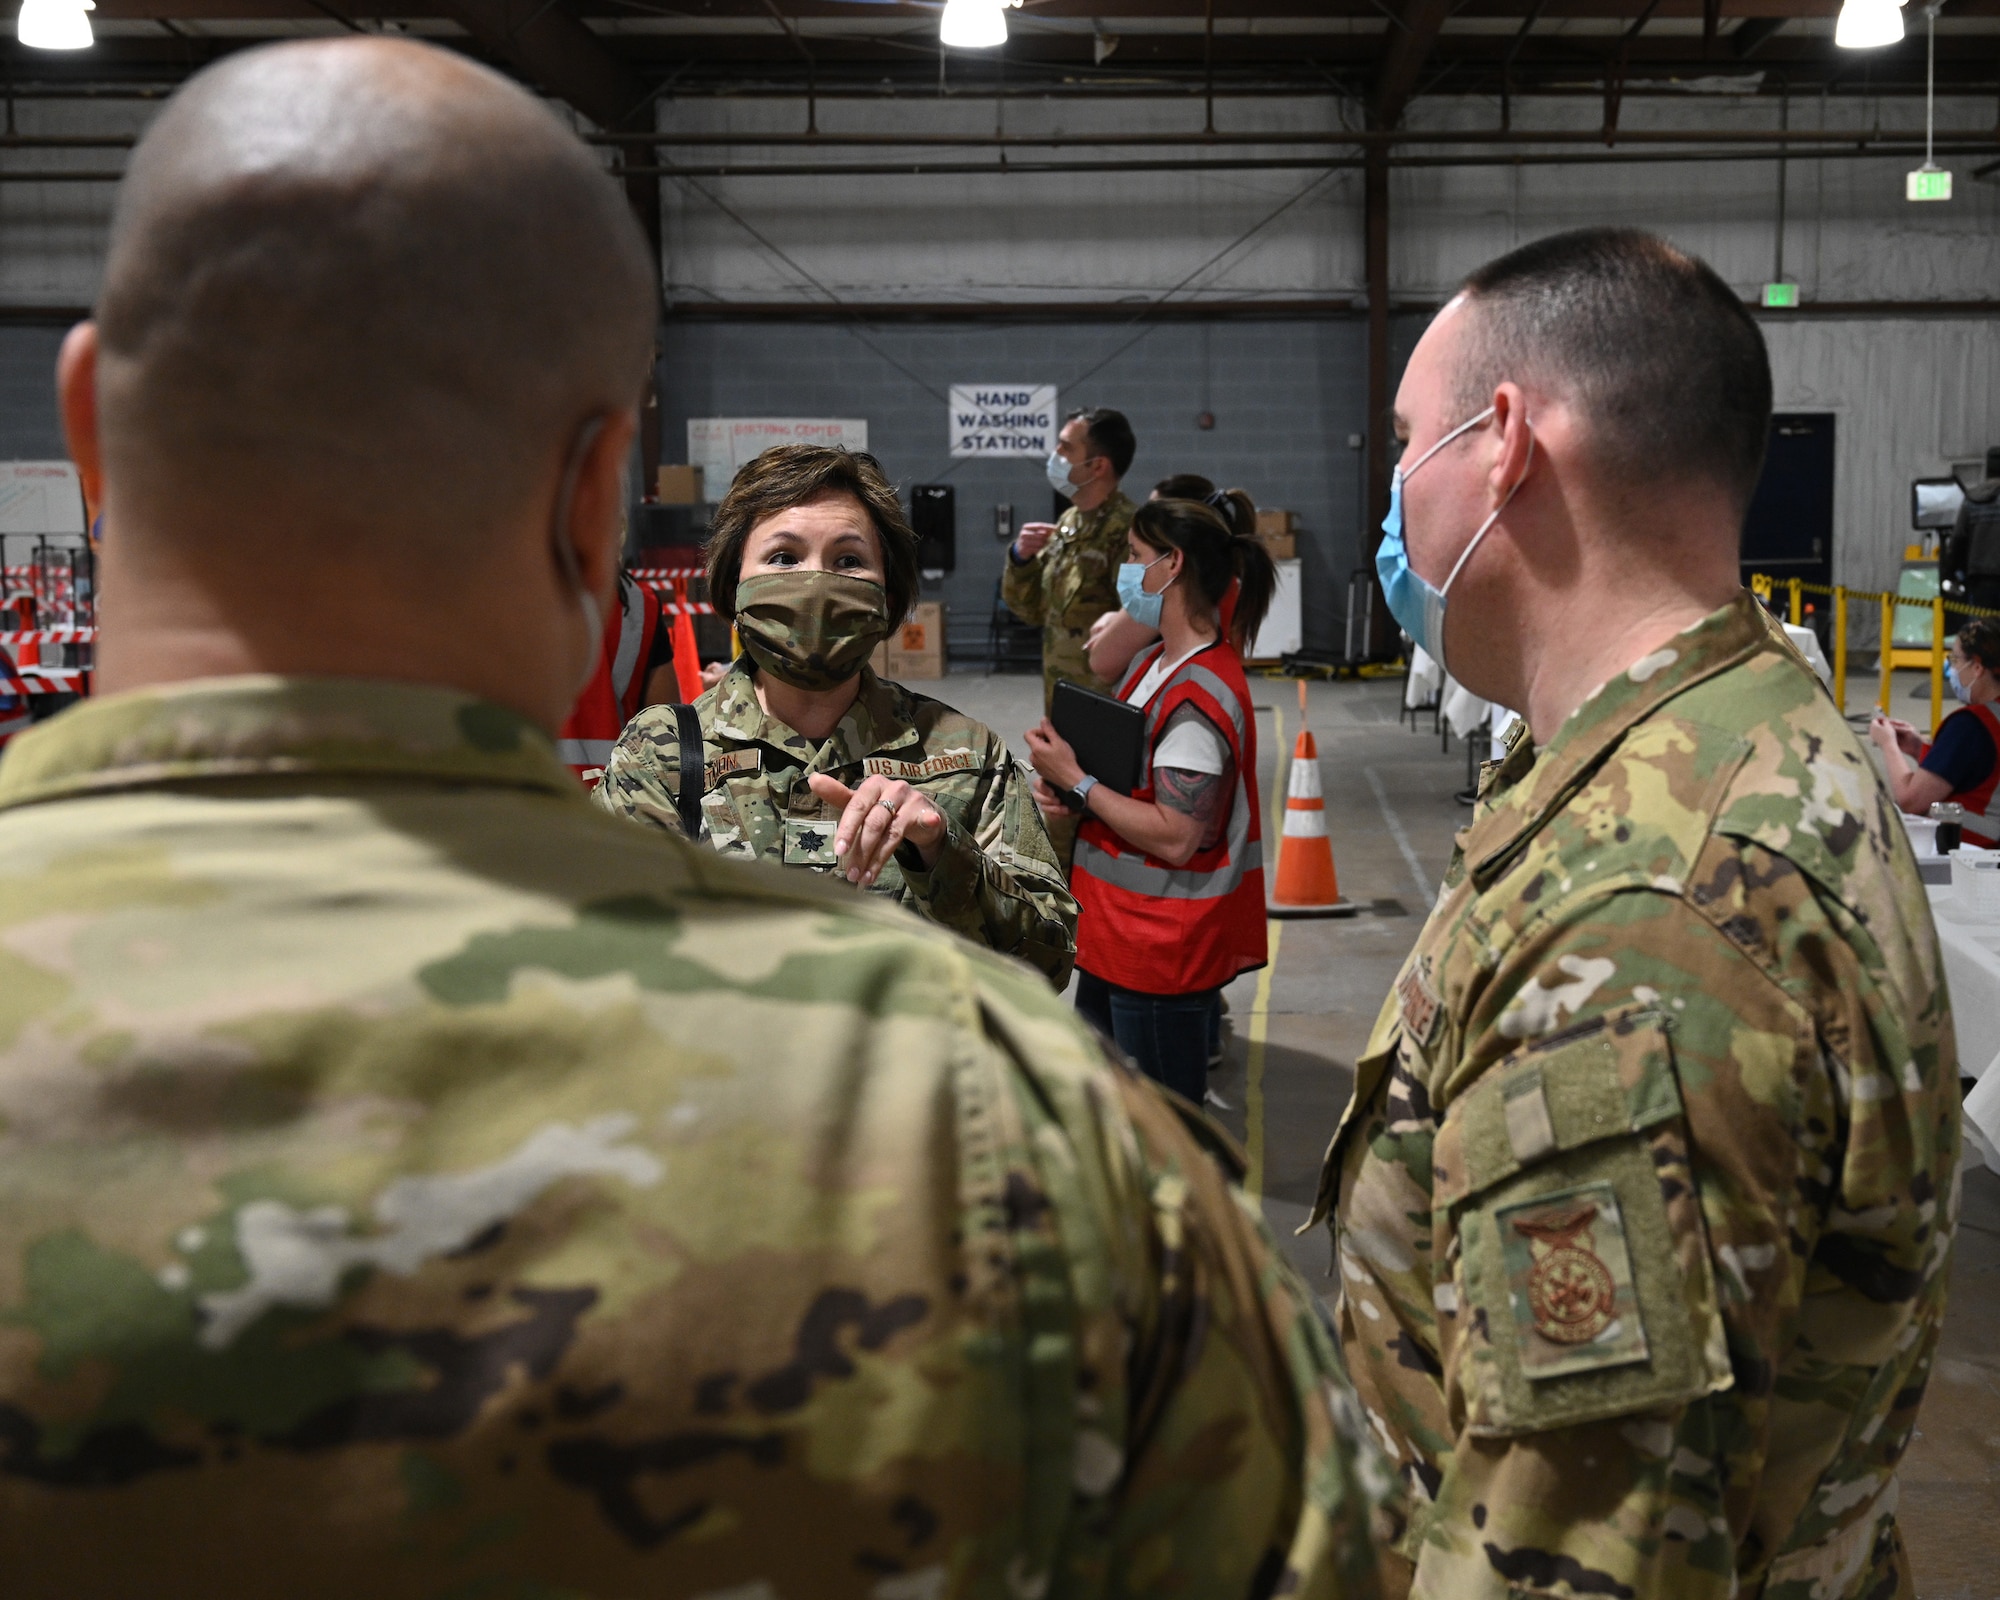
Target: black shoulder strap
[(693, 774)]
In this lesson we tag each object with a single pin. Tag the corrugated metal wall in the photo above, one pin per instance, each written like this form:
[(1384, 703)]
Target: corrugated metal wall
[(1911, 396)]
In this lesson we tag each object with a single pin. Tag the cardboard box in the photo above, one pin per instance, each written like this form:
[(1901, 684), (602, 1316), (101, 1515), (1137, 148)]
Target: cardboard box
[(916, 649), (1271, 524), (1282, 546), (680, 486)]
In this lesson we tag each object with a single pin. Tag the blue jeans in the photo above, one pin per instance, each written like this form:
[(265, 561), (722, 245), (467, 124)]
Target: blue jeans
[(1167, 1035)]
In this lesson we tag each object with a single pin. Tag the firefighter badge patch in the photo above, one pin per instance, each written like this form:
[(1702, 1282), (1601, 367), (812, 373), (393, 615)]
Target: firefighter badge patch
[(1569, 1280)]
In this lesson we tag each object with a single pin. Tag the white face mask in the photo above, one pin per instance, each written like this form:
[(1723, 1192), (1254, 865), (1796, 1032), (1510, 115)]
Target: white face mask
[(593, 613), (1058, 471)]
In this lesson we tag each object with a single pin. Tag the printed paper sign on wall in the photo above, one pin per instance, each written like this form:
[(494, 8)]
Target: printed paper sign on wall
[(40, 497), (1002, 419), (721, 445)]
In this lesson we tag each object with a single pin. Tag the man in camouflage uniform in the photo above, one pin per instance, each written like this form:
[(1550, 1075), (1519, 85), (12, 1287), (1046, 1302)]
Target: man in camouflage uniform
[(417, 1183), (1062, 576), (1644, 1200), (995, 879)]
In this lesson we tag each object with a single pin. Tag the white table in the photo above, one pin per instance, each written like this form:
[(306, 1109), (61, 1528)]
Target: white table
[(1971, 952)]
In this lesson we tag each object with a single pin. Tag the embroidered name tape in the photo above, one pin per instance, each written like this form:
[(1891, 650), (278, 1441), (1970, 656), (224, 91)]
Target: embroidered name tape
[(916, 771), (732, 762), (1418, 1001)]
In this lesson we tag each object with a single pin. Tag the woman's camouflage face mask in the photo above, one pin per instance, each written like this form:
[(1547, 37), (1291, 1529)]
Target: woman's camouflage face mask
[(813, 630)]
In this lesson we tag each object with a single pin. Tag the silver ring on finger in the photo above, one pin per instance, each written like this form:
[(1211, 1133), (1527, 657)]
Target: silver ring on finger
[(888, 806)]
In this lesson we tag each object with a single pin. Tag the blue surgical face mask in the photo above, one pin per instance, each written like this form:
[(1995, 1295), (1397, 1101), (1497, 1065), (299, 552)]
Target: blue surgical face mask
[(1058, 471), (1140, 606), (1951, 678), (1415, 603)]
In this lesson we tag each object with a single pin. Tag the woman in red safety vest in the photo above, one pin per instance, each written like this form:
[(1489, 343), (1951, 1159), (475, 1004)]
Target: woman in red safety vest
[(1169, 880), (1962, 763), (635, 669)]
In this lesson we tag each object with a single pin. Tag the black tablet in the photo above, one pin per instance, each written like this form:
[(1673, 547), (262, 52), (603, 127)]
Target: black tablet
[(1108, 736)]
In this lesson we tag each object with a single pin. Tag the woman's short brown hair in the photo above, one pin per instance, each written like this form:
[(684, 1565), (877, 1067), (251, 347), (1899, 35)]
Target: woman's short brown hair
[(1979, 640), (788, 475)]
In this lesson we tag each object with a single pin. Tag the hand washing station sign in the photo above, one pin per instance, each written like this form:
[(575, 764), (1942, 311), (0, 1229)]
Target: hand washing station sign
[(1003, 419)]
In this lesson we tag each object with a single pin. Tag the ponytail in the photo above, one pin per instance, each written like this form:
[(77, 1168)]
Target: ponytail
[(1255, 571)]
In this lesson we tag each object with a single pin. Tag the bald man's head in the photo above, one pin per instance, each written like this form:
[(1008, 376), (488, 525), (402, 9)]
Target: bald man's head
[(369, 278)]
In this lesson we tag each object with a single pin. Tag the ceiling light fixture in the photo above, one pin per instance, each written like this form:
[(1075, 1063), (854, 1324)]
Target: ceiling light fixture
[(55, 24), (973, 24), (1868, 24)]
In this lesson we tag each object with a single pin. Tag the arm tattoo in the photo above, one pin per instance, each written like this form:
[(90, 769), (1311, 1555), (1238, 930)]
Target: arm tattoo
[(1192, 794)]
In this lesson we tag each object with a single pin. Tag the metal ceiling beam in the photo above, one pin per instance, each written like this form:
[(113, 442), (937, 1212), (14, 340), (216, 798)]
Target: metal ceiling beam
[(549, 44), (1404, 53)]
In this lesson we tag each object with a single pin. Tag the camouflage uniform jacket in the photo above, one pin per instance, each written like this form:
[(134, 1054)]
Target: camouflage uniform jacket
[(1066, 586), (995, 879), (416, 1183), (1646, 1190)]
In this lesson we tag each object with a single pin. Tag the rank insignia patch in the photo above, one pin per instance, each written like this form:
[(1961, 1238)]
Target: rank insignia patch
[(1418, 1001), (1569, 1281), (809, 841)]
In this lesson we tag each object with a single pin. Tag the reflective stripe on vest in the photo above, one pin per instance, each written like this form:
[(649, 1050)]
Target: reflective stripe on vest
[(585, 752), (637, 609), (1134, 872), (608, 701), (1982, 800)]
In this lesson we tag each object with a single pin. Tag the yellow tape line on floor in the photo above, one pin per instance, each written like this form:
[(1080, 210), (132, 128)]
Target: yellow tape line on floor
[(1253, 1098), (1260, 1010)]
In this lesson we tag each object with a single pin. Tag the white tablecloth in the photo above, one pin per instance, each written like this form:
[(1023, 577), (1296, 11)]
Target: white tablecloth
[(1971, 952), (1461, 708), (1808, 646)]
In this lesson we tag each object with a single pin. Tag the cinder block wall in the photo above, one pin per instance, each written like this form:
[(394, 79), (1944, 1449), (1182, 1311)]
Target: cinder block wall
[(29, 429), (1285, 395)]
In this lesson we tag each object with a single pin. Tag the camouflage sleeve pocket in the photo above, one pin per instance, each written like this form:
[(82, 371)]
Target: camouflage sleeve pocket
[(1582, 1254)]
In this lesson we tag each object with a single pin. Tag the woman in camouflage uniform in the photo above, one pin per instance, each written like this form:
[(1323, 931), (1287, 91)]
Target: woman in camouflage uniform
[(810, 760)]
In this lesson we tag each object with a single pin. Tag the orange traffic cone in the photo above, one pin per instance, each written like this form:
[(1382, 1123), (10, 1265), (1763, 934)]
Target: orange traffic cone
[(1305, 885), (687, 654)]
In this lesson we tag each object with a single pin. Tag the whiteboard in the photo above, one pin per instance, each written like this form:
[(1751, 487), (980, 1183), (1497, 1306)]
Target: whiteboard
[(722, 446), (40, 497)]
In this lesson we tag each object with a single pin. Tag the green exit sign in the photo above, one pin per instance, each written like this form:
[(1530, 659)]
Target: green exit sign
[(1929, 183), (1781, 296)]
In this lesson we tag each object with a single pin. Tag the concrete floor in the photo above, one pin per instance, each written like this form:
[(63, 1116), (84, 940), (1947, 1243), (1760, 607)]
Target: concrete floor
[(1391, 815)]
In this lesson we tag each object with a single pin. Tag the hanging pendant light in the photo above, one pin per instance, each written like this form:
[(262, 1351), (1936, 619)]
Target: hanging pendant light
[(55, 24), (1868, 24), (973, 24)]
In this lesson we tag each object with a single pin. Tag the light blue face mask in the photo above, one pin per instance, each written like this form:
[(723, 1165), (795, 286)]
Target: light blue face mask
[(1417, 605), (1140, 606), (1951, 678), (1058, 473)]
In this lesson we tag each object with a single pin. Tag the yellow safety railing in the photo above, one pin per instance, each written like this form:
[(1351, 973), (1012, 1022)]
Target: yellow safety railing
[(1764, 587)]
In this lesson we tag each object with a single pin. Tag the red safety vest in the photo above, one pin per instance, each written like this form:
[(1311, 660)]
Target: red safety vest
[(15, 714), (1982, 804), (1163, 929), (612, 697)]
